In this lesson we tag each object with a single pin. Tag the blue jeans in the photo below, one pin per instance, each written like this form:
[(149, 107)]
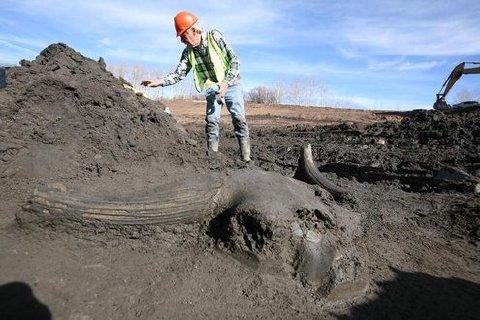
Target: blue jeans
[(236, 107)]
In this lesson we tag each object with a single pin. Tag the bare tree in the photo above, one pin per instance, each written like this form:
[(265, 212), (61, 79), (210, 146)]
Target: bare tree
[(262, 94), (138, 73), (299, 91), (304, 91)]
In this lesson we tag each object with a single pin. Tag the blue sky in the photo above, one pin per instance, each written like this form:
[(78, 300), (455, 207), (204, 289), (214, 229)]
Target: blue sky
[(374, 54)]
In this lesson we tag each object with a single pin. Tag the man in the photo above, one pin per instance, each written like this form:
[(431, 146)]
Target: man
[(215, 72)]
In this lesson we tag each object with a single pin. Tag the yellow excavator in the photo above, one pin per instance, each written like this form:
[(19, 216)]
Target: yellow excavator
[(457, 72)]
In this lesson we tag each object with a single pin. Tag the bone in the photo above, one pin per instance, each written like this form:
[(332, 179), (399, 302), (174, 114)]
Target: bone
[(308, 172)]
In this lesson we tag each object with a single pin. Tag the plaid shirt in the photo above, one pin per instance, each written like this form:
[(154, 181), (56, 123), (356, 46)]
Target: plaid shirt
[(203, 62)]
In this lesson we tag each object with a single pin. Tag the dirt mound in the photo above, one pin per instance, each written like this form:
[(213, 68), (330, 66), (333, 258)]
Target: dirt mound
[(64, 116), (426, 144), (431, 139)]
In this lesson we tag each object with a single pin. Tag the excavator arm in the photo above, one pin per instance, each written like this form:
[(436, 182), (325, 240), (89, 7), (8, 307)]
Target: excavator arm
[(456, 73)]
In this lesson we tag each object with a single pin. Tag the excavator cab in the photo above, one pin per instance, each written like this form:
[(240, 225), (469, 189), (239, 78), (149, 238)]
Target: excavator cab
[(458, 71)]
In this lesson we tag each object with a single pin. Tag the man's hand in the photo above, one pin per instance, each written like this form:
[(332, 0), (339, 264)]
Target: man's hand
[(153, 83), (223, 86)]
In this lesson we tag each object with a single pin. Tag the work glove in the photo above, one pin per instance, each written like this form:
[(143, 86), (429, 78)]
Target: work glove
[(219, 89), (137, 92), (215, 89), (153, 83)]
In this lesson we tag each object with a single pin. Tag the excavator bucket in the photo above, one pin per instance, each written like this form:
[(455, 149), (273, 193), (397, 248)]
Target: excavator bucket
[(441, 104)]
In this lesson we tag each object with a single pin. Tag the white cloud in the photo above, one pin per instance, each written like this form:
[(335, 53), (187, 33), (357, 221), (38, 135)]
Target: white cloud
[(23, 43), (411, 27), (88, 15), (136, 55), (397, 27), (248, 23), (7, 59), (432, 38), (402, 65), (144, 31), (295, 66), (349, 53), (14, 49), (379, 104), (105, 42)]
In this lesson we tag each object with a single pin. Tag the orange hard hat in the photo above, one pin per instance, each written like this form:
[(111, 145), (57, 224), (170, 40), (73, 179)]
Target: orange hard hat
[(183, 21)]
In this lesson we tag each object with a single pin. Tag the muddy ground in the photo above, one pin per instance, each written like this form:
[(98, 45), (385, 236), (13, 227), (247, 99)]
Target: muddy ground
[(412, 179)]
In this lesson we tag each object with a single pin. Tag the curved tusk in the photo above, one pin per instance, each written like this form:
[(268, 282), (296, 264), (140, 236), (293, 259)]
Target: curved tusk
[(308, 172), (187, 200)]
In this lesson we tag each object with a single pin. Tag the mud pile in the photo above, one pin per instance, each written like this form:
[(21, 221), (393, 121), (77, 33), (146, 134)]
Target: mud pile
[(422, 151), (64, 116), (424, 139)]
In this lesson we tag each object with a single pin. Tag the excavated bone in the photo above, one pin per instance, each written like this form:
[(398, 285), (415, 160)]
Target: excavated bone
[(308, 172), (278, 221), (186, 200)]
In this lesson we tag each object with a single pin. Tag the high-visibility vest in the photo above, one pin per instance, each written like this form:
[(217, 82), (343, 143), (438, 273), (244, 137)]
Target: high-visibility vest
[(218, 57)]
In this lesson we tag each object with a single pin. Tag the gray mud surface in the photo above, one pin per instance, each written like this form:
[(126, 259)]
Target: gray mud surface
[(64, 119)]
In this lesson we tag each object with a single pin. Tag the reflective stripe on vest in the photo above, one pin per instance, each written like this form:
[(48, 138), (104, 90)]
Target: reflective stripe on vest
[(217, 57)]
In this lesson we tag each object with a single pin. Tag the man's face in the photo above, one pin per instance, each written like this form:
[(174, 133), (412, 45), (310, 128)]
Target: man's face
[(191, 38)]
